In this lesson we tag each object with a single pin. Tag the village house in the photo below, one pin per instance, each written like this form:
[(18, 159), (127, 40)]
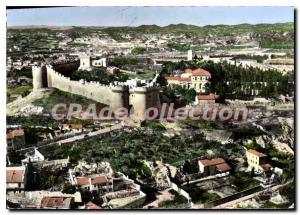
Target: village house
[(74, 128), (99, 183), (257, 161), (198, 80), (60, 202), (15, 139), (213, 167), (16, 178), (203, 100)]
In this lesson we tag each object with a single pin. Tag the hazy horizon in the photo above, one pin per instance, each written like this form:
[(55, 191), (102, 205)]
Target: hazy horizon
[(136, 16)]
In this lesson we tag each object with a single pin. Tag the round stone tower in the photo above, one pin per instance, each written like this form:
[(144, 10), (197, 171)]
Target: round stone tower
[(39, 77), (119, 98), (142, 98)]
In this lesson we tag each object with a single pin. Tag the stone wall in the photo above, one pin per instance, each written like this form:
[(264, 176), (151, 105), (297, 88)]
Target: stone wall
[(116, 96)]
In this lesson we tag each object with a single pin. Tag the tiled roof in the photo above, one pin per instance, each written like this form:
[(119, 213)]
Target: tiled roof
[(198, 72), (176, 78), (15, 175), (207, 97), (56, 202), (15, 133), (101, 179), (256, 153), (82, 181), (224, 167), (211, 162)]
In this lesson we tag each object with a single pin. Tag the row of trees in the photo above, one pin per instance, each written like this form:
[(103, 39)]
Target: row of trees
[(99, 75), (230, 81)]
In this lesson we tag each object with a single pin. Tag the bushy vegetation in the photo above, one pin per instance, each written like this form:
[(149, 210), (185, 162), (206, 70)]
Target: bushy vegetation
[(138, 50), (258, 58), (125, 150), (31, 120), (99, 75), (188, 95), (155, 125), (122, 61), (269, 42), (242, 181), (191, 31), (199, 195), (271, 205), (179, 47), (237, 77)]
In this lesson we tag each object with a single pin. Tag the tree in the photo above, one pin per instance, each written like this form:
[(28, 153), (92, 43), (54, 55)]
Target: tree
[(50, 182), (68, 188)]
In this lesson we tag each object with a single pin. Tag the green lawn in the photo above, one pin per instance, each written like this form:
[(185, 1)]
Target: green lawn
[(22, 90), (148, 74), (66, 98)]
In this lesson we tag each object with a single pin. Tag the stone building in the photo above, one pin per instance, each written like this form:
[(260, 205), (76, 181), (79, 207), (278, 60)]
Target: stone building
[(197, 79), (203, 100), (257, 161), (213, 166), (85, 62), (15, 139)]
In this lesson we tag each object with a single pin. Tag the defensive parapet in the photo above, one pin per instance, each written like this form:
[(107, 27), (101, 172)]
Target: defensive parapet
[(115, 95)]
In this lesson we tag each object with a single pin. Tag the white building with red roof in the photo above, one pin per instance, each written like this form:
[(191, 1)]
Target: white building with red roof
[(197, 79), (213, 166), (99, 183), (206, 99), (16, 178)]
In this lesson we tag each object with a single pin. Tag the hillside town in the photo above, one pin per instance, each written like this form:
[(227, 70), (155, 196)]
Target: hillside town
[(237, 151)]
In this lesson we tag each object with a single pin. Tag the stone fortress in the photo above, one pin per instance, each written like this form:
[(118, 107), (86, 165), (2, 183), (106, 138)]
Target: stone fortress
[(136, 94)]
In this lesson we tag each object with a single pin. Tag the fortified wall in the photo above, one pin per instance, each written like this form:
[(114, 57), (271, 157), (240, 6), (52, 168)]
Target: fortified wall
[(116, 96)]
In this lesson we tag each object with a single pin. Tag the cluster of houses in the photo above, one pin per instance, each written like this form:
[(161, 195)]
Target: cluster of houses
[(108, 190), (115, 190)]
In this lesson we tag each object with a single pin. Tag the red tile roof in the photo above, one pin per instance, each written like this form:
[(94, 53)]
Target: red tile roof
[(82, 181), (176, 78), (15, 133), (198, 72), (207, 97), (15, 175), (56, 202), (101, 179), (256, 153), (224, 167), (211, 162)]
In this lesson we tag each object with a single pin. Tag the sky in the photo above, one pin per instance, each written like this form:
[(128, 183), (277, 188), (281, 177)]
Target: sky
[(135, 16)]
